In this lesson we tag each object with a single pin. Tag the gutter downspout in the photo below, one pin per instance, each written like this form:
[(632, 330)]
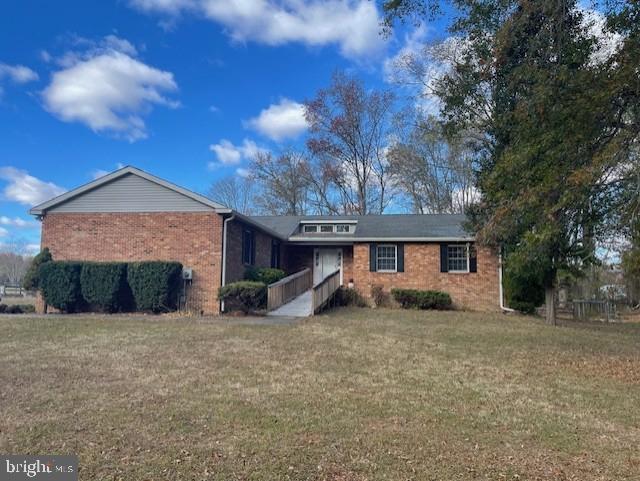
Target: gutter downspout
[(224, 255), (502, 306)]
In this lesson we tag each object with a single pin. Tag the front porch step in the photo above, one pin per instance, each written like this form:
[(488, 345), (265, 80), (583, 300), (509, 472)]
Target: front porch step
[(298, 307)]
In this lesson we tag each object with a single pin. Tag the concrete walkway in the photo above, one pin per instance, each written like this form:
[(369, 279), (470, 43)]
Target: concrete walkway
[(298, 307)]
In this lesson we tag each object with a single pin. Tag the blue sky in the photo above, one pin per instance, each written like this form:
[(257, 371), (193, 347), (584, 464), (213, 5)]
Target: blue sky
[(186, 89)]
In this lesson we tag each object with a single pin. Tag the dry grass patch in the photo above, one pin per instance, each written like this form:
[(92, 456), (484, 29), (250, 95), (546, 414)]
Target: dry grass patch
[(354, 395)]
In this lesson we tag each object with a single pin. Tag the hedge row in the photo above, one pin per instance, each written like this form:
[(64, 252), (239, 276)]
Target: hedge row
[(415, 299), (250, 295), (111, 286), (266, 275), (17, 308), (246, 296)]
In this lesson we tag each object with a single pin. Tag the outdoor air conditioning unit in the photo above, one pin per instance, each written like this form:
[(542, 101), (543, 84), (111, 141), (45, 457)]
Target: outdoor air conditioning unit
[(187, 274)]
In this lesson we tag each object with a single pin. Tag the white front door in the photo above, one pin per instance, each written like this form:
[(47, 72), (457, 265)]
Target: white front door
[(326, 262)]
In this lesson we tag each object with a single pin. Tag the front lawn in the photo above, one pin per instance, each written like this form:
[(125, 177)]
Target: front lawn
[(358, 394)]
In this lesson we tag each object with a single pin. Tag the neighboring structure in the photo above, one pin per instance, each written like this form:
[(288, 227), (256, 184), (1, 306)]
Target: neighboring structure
[(130, 215)]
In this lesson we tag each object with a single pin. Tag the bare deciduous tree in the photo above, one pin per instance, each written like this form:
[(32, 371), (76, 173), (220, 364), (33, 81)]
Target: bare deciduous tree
[(434, 172), (283, 182), (234, 192), (14, 260), (349, 129)]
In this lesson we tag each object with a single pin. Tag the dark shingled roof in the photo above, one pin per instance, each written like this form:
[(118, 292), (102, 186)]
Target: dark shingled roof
[(386, 226)]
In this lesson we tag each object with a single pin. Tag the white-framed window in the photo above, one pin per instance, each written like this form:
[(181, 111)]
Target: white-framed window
[(310, 228), (326, 228), (343, 228), (387, 258), (458, 257)]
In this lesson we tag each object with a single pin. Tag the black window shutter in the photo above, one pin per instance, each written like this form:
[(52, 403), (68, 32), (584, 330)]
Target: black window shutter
[(245, 247), (373, 248), (473, 259), (400, 251), (253, 248), (275, 254), (444, 258)]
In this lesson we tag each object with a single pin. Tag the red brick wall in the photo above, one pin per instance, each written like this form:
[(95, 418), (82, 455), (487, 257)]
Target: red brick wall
[(475, 291), (192, 238), (235, 266)]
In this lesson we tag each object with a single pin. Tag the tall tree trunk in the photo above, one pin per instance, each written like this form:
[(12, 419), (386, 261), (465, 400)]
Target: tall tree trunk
[(550, 305)]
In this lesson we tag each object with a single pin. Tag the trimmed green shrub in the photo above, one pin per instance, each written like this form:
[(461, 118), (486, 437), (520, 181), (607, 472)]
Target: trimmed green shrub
[(32, 278), (17, 309), (155, 285), (523, 282), (246, 296), (416, 299), (523, 306), (266, 275), (60, 285), (350, 297), (104, 286)]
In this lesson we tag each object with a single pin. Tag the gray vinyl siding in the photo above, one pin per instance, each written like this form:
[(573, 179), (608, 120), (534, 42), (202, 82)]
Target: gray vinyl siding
[(131, 193)]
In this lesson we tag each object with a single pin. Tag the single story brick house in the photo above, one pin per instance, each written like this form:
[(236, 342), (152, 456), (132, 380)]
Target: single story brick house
[(131, 215)]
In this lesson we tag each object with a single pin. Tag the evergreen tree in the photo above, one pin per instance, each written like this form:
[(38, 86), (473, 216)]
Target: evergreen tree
[(32, 276), (554, 120)]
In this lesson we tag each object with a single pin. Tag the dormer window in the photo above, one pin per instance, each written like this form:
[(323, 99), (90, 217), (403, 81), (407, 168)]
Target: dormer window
[(327, 227)]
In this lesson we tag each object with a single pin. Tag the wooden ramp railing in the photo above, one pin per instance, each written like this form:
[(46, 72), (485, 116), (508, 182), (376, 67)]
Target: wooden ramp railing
[(324, 291), (281, 292)]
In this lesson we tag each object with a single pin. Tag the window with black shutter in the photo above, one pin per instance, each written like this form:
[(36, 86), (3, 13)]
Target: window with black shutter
[(458, 258)]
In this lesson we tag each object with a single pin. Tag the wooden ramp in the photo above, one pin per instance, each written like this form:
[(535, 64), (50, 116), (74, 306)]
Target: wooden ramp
[(301, 306), (296, 296)]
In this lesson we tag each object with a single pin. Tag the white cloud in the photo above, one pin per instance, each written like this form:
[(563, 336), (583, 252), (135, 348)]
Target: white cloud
[(242, 172), (18, 246), (97, 173), (165, 6), (413, 45), (17, 222), (229, 154), (25, 188), (226, 152), (352, 25), (3, 232), (280, 121), (111, 42), (17, 73), (45, 56), (608, 42), (32, 249), (108, 90), (419, 65)]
